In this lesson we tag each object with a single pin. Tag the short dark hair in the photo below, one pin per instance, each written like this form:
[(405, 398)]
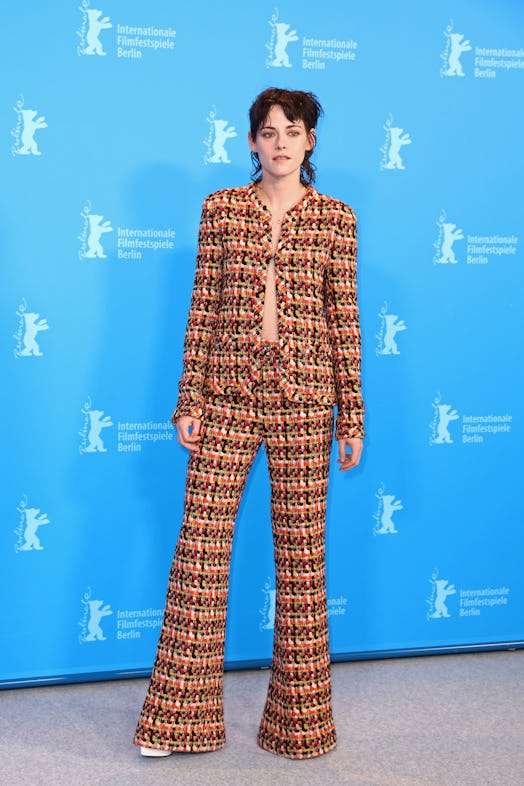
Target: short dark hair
[(296, 105)]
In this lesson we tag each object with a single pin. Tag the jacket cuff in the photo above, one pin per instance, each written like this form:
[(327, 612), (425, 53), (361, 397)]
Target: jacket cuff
[(190, 404), (349, 425)]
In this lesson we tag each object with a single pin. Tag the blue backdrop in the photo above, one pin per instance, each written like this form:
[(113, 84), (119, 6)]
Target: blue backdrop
[(118, 119)]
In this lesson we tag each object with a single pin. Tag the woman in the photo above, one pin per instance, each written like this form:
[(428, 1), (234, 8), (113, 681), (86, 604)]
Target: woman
[(272, 343)]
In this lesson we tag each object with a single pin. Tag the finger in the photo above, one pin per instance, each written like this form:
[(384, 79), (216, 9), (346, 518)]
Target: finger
[(183, 430), (352, 459), (343, 455), (192, 448), (190, 445), (355, 457), (186, 439)]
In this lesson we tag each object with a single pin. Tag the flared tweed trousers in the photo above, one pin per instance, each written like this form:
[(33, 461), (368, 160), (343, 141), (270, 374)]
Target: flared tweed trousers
[(183, 708)]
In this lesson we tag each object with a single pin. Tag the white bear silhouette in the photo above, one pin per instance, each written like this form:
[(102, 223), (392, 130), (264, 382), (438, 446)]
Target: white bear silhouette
[(31, 125), (96, 25), (32, 521), (223, 132), (392, 328), (445, 415), (96, 230), (457, 47), (443, 590), (390, 506), (451, 233), (397, 140), (283, 39), (32, 327), (96, 424), (96, 612)]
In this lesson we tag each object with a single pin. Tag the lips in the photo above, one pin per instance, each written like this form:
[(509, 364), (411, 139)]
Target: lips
[(281, 158)]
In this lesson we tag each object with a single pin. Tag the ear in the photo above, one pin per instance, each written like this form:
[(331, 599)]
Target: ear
[(312, 139), (252, 143)]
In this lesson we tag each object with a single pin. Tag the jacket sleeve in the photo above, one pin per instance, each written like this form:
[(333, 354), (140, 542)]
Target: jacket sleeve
[(202, 315), (342, 317)]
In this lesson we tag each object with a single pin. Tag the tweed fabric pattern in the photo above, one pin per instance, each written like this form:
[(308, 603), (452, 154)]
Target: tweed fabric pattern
[(316, 299), (183, 709)]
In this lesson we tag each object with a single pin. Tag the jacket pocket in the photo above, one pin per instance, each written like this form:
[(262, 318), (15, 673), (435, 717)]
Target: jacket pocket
[(312, 367), (221, 363)]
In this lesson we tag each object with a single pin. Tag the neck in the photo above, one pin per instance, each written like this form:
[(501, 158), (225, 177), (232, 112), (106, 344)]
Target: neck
[(281, 193)]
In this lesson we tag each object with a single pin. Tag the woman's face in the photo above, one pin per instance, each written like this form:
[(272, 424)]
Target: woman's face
[(281, 144)]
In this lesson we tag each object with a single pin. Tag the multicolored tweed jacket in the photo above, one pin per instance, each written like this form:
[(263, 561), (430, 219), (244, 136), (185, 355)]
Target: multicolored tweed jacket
[(316, 295)]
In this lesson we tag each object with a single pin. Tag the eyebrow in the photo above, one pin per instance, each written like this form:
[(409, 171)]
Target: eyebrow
[(290, 125)]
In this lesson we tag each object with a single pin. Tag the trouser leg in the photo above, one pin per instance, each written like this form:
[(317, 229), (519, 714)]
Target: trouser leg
[(183, 708), (297, 721)]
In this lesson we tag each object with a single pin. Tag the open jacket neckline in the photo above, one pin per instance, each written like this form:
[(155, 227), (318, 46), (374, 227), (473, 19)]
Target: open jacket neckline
[(299, 205)]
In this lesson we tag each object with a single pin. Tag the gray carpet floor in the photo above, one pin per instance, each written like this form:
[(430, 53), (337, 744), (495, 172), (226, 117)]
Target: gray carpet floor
[(446, 720)]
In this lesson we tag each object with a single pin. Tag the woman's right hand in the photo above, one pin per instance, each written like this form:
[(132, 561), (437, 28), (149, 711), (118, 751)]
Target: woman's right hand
[(186, 439)]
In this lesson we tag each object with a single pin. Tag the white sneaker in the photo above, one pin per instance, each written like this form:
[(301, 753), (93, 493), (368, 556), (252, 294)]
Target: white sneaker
[(154, 752)]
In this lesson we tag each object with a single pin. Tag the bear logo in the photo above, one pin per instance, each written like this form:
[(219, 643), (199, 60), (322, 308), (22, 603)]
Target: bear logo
[(95, 27), (457, 47), (450, 233), (96, 424), (96, 612), (443, 589), (393, 326), (284, 37), (390, 505), (222, 132), (33, 520), (30, 124), (32, 326), (96, 230), (281, 36), (397, 140), (445, 416)]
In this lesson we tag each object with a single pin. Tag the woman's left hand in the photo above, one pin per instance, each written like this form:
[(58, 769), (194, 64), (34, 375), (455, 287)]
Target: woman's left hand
[(352, 459)]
